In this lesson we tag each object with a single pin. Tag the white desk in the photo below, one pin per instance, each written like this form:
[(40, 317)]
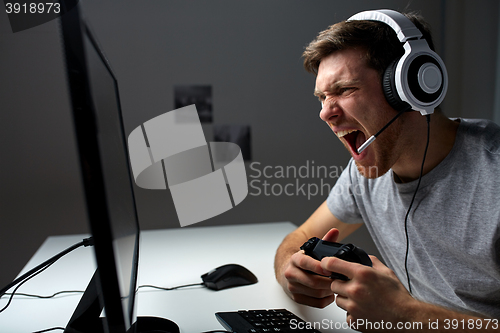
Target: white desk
[(168, 258)]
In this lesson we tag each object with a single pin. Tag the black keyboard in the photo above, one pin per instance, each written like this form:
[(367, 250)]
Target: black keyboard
[(260, 321)]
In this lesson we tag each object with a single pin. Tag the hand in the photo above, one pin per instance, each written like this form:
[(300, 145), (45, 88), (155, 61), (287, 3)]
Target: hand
[(372, 294), (303, 286)]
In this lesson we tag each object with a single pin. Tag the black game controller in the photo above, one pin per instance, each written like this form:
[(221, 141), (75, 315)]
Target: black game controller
[(318, 249)]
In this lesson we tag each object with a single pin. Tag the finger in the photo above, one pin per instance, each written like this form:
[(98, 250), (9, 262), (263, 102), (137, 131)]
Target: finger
[(347, 305), (307, 263), (339, 287), (317, 282), (299, 288), (332, 235), (314, 302), (308, 279), (376, 263), (341, 302), (350, 319), (337, 265), (295, 272)]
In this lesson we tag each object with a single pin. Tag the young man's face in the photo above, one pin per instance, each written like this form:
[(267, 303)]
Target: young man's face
[(355, 108)]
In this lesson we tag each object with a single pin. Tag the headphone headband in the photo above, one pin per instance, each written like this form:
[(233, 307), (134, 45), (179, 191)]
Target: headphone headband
[(419, 78), (403, 27)]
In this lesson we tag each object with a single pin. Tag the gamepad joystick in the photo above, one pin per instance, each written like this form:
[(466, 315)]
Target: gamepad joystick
[(318, 249)]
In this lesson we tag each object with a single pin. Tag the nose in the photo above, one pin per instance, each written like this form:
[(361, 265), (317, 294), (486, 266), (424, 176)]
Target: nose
[(329, 109)]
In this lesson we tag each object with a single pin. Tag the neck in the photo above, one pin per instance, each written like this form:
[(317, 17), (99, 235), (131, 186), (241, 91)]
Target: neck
[(442, 137)]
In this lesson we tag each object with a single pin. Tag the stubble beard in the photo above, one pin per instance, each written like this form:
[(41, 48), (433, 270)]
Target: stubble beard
[(385, 149)]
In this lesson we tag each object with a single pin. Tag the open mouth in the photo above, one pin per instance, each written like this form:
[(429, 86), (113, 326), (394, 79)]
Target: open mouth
[(354, 139)]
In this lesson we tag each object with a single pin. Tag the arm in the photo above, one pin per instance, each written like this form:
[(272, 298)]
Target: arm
[(375, 298), (291, 263), (439, 319)]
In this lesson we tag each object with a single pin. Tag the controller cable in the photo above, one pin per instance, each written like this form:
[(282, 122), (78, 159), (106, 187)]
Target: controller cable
[(46, 264), (62, 329), (82, 291), (173, 288), (428, 118), (40, 268)]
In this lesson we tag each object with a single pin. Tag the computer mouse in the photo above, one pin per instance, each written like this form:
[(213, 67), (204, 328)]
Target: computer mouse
[(228, 276)]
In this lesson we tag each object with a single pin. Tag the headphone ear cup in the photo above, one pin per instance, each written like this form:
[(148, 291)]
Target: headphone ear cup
[(389, 88)]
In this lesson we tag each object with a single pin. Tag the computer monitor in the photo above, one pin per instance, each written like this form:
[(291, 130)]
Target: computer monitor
[(107, 181)]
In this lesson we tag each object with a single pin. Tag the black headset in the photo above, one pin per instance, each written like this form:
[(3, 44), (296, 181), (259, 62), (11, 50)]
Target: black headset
[(418, 79)]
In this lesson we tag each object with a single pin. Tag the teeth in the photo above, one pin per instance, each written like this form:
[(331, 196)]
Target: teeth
[(342, 133)]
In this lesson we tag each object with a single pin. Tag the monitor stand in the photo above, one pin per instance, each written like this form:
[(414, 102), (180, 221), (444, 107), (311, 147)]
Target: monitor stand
[(87, 316), (153, 325)]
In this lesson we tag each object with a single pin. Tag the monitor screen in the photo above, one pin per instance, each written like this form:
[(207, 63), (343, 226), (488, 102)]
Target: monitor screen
[(109, 196), (117, 184), (106, 177)]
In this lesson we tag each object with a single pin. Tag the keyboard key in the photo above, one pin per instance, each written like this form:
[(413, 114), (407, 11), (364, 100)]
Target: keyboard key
[(261, 321)]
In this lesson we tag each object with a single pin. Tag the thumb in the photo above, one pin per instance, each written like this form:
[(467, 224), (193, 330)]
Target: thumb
[(332, 235)]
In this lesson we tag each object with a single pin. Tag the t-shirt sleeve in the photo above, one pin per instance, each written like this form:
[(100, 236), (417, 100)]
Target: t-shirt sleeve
[(342, 200)]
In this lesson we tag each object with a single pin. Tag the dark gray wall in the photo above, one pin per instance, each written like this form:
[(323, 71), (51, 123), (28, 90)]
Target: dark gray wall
[(249, 51)]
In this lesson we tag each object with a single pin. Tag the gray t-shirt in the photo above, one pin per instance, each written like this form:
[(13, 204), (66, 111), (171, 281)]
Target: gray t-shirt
[(453, 227)]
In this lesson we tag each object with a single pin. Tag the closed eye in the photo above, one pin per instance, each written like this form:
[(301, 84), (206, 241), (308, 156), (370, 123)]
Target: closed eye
[(339, 91), (346, 90)]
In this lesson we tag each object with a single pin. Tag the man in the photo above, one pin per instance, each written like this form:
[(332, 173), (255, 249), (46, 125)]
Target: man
[(452, 265)]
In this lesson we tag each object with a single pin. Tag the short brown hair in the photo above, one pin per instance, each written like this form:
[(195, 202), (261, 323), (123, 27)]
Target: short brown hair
[(378, 39)]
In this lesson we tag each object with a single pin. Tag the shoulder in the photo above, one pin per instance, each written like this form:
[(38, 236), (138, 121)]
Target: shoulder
[(480, 134)]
